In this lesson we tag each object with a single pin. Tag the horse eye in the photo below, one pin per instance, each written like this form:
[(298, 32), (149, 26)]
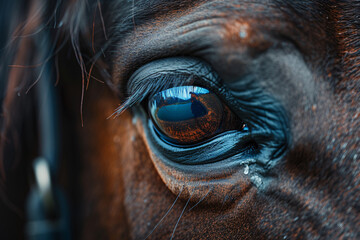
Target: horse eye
[(189, 114)]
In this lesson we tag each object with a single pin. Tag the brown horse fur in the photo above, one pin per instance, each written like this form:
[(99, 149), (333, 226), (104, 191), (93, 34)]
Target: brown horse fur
[(306, 55)]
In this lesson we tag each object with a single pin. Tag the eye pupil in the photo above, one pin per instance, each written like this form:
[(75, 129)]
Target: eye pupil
[(187, 114), (197, 108)]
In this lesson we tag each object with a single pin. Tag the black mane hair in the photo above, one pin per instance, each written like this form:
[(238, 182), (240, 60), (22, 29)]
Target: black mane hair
[(69, 28)]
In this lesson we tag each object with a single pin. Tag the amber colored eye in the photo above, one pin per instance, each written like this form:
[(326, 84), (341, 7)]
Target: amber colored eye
[(191, 114)]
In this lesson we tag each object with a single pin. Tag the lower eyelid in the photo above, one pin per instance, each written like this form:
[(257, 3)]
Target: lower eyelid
[(209, 179), (215, 149)]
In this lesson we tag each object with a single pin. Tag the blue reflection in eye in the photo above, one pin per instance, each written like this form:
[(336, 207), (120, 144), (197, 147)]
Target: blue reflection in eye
[(179, 104), (191, 114)]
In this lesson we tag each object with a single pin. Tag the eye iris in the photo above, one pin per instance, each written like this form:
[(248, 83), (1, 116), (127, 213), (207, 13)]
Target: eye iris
[(187, 114)]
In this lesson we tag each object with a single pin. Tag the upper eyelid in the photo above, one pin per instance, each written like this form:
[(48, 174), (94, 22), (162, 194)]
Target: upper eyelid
[(174, 65)]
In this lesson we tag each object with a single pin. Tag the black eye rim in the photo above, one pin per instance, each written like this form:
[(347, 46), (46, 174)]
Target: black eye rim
[(265, 115)]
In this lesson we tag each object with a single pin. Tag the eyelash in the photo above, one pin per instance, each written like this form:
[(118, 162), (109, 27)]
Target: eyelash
[(267, 139), (143, 87)]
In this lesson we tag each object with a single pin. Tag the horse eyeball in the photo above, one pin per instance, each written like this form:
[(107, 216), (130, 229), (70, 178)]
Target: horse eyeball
[(190, 114)]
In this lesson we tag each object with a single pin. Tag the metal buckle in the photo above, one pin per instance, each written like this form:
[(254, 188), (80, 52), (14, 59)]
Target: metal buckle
[(48, 216)]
